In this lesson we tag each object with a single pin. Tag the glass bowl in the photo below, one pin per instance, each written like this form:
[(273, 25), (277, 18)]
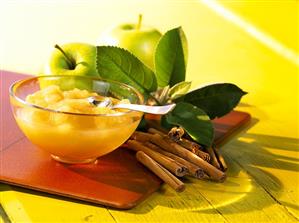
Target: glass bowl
[(74, 137)]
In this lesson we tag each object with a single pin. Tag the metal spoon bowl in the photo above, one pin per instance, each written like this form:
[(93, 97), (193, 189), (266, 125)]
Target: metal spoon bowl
[(107, 102)]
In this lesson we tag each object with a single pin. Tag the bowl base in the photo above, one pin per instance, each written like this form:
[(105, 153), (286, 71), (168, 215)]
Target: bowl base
[(68, 161)]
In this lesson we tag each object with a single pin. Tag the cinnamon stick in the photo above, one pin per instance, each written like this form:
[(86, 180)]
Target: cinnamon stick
[(220, 159), (191, 146), (160, 171), (195, 148), (140, 136), (194, 170), (176, 168), (213, 160), (172, 147), (156, 131)]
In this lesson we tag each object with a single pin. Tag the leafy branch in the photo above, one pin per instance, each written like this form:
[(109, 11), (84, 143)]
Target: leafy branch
[(195, 109)]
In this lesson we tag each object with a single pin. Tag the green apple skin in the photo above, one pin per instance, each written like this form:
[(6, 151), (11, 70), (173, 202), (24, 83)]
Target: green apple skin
[(141, 42), (83, 54)]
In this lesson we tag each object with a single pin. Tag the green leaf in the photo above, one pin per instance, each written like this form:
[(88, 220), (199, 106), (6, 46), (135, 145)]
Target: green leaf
[(216, 99), (179, 90), (171, 58), (194, 120), (120, 65)]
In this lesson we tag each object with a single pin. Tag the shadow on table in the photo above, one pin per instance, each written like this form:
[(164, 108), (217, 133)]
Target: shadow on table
[(251, 152), (240, 193)]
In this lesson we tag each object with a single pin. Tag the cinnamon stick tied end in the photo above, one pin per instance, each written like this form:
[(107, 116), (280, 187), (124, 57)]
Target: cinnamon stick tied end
[(176, 133)]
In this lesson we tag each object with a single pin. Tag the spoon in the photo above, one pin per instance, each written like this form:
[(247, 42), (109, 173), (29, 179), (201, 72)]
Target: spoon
[(107, 102)]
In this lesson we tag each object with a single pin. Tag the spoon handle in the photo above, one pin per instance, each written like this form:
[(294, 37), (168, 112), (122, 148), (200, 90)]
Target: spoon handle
[(157, 110)]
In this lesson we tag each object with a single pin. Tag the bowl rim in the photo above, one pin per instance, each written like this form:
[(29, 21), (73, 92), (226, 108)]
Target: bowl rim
[(15, 84)]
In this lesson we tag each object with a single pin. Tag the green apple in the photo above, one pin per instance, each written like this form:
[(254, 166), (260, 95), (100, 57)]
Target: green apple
[(78, 59), (138, 39), (73, 59)]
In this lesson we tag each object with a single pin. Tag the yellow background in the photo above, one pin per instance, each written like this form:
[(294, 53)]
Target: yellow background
[(253, 44)]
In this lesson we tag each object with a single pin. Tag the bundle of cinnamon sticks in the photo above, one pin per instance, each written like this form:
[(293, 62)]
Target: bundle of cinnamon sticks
[(171, 156)]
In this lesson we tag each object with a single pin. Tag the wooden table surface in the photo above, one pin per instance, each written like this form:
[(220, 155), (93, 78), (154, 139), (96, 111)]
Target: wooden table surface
[(242, 46)]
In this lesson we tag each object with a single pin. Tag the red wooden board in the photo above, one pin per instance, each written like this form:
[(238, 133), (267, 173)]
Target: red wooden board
[(115, 180)]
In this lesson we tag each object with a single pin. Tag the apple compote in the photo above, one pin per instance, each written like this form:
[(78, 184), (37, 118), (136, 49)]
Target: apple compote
[(65, 124)]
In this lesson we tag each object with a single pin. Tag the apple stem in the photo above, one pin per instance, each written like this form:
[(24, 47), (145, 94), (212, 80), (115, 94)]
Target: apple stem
[(155, 99), (139, 21), (69, 61)]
